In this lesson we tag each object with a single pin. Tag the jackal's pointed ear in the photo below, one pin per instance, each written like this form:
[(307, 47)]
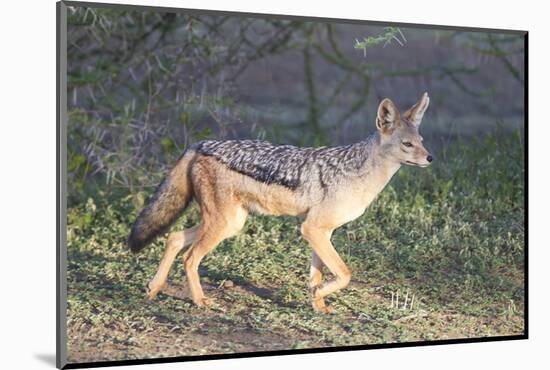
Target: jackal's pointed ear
[(387, 117), (416, 112)]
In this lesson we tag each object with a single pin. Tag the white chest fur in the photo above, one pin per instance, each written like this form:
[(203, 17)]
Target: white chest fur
[(352, 201)]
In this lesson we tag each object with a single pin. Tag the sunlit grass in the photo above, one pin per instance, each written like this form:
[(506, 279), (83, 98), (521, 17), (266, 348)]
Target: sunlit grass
[(451, 235)]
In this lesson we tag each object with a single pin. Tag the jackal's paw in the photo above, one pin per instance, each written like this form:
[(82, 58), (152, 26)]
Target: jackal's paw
[(322, 308), (204, 302), (153, 290), (325, 309)]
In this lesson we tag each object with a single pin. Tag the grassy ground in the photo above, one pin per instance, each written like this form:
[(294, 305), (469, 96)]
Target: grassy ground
[(451, 235)]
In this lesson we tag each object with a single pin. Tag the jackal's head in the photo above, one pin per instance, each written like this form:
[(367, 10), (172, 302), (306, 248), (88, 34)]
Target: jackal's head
[(399, 136)]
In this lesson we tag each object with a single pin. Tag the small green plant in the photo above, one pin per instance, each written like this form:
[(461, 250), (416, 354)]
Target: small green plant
[(391, 34)]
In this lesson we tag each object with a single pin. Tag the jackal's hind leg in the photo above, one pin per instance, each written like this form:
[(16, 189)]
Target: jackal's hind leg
[(206, 242), (227, 223), (174, 244)]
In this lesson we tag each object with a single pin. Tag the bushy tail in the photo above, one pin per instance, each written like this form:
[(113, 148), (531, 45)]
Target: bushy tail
[(170, 198)]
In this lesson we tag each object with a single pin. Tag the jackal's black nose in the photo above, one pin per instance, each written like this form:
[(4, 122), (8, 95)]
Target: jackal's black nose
[(430, 158)]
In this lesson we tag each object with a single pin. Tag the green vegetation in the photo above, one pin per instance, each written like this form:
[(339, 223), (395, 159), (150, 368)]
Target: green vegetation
[(451, 235)]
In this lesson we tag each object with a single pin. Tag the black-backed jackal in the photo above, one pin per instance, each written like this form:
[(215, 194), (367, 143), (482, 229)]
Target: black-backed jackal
[(327, 187)]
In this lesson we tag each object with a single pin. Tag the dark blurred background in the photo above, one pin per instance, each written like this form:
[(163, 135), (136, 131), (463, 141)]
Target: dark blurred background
[(144, 85)]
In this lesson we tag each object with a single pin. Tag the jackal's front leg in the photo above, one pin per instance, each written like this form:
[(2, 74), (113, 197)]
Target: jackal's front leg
[(324, 253), (315, 279)]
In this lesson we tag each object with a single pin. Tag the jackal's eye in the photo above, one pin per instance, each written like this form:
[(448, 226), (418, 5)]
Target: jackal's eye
[(408, 144)]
